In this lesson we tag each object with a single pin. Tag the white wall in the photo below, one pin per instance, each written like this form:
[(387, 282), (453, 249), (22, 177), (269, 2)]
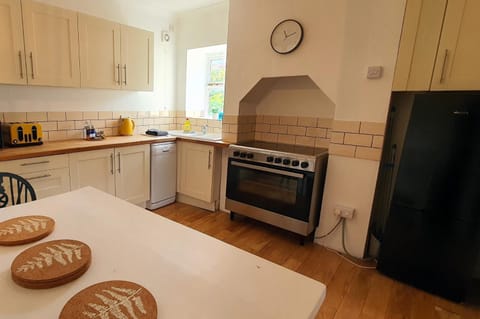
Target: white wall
[(342, 38), (293, 96), (372, 34), (250, 57), (196, 29), (28, 98)]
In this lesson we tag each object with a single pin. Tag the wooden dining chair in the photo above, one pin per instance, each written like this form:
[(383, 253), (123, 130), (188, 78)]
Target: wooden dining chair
[(15, 190)]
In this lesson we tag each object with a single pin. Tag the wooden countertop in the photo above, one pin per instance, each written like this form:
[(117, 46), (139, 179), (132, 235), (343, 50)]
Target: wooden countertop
[(79, 145)]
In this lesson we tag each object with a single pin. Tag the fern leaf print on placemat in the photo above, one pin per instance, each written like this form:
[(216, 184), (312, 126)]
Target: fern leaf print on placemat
[(111, 300), (25, 229), (29, 225), (121, 297), (53, 253), (51, 263)]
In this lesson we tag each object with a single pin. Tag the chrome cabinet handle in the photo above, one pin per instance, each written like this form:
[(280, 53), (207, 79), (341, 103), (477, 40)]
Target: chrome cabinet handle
[(111, 163), (38, 177), (31, 61), (444, 68), (21, 64), (35, 163), (125, 71), (209, 159), (119, 168), (119, 75)]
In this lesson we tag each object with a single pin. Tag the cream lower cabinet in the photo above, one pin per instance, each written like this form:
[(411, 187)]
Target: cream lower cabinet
[(198, 174), (123, 172), (49, 175), (93, 168)]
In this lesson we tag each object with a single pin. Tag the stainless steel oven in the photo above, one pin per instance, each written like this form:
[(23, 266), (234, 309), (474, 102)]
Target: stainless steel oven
[(281, 186)]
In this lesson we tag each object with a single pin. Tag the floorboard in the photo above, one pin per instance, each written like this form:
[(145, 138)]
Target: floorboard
[(352, 292)]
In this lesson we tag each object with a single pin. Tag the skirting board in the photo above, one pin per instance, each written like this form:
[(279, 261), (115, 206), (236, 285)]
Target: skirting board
[(182, 198)]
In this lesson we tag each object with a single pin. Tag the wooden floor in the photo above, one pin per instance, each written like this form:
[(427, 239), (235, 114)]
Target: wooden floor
[(351, 292)]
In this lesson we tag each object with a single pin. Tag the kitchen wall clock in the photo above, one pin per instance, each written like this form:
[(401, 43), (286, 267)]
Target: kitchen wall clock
[(286, 36)]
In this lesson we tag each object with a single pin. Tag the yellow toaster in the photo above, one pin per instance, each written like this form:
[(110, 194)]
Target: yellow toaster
[(19, 134)]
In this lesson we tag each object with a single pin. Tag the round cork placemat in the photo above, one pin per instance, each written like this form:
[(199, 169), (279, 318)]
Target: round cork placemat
[(51, 264), (111, 299), (25, 229)]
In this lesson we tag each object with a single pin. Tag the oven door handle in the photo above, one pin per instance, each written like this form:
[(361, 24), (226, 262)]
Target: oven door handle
[(267, 169)]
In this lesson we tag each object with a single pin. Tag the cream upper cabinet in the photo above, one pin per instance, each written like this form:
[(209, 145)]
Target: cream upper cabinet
[(51, 45), (115, 56), (422, 26), (439, 46), (12, 52), (457, 66), (99, 52), (137, 59)]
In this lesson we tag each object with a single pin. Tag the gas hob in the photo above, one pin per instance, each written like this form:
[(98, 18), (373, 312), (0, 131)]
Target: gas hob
[(276, 154)]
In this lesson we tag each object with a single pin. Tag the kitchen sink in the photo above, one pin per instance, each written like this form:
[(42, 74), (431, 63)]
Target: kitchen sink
[(196, 135)]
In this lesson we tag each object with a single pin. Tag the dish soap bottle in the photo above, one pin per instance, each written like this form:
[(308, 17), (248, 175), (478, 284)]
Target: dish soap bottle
[(187, 126)]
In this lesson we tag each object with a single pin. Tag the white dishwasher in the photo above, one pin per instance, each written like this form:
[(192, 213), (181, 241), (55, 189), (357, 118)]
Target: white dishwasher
[(163, 174)]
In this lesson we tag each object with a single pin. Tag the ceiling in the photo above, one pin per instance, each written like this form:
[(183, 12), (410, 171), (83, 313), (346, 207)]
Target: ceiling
[(173, 6)]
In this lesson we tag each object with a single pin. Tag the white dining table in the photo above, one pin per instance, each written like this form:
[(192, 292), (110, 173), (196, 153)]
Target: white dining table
[(190, 274)]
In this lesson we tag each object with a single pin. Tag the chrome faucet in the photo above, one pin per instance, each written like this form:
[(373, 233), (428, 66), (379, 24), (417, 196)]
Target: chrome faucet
[(204, 129)]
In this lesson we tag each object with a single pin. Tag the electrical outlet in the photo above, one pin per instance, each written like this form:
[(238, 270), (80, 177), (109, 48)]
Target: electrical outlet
[(343, 211)]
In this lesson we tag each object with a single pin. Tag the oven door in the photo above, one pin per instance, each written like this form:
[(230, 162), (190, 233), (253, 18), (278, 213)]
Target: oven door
[(281, 190)]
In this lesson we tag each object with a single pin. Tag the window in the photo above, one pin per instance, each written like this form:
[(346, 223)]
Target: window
[(205, 87)]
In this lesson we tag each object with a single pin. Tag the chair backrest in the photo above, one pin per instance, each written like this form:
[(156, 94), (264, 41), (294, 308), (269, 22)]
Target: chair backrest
[(15, 190)]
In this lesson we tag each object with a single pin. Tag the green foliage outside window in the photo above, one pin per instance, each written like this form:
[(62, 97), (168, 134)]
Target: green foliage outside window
[(216, 86)]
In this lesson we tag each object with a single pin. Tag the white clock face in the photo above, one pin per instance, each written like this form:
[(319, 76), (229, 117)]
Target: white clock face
[(286, 36)]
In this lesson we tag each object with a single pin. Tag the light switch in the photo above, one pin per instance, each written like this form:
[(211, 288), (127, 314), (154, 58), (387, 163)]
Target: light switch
[(374, 72)]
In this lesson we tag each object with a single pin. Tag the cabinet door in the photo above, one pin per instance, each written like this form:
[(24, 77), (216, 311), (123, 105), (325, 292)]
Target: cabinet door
[(99, 52), (195, 170), (422, 26), (137, 59), (93, 168), (132, 178), (457, 66), (49, 182), (51, 45), (12, 52)]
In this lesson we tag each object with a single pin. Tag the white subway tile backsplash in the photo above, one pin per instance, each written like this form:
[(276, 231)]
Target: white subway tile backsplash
[(36, 116)]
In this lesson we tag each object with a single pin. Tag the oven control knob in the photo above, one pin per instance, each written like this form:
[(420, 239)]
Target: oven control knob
[(278, 160), (243, 155), (236, 153), (286, 161), (295, 163), (250, 155), (269, 159), (304, 164)]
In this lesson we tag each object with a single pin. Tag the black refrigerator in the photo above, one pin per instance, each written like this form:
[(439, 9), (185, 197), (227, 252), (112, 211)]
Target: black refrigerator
[(426, 213)]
